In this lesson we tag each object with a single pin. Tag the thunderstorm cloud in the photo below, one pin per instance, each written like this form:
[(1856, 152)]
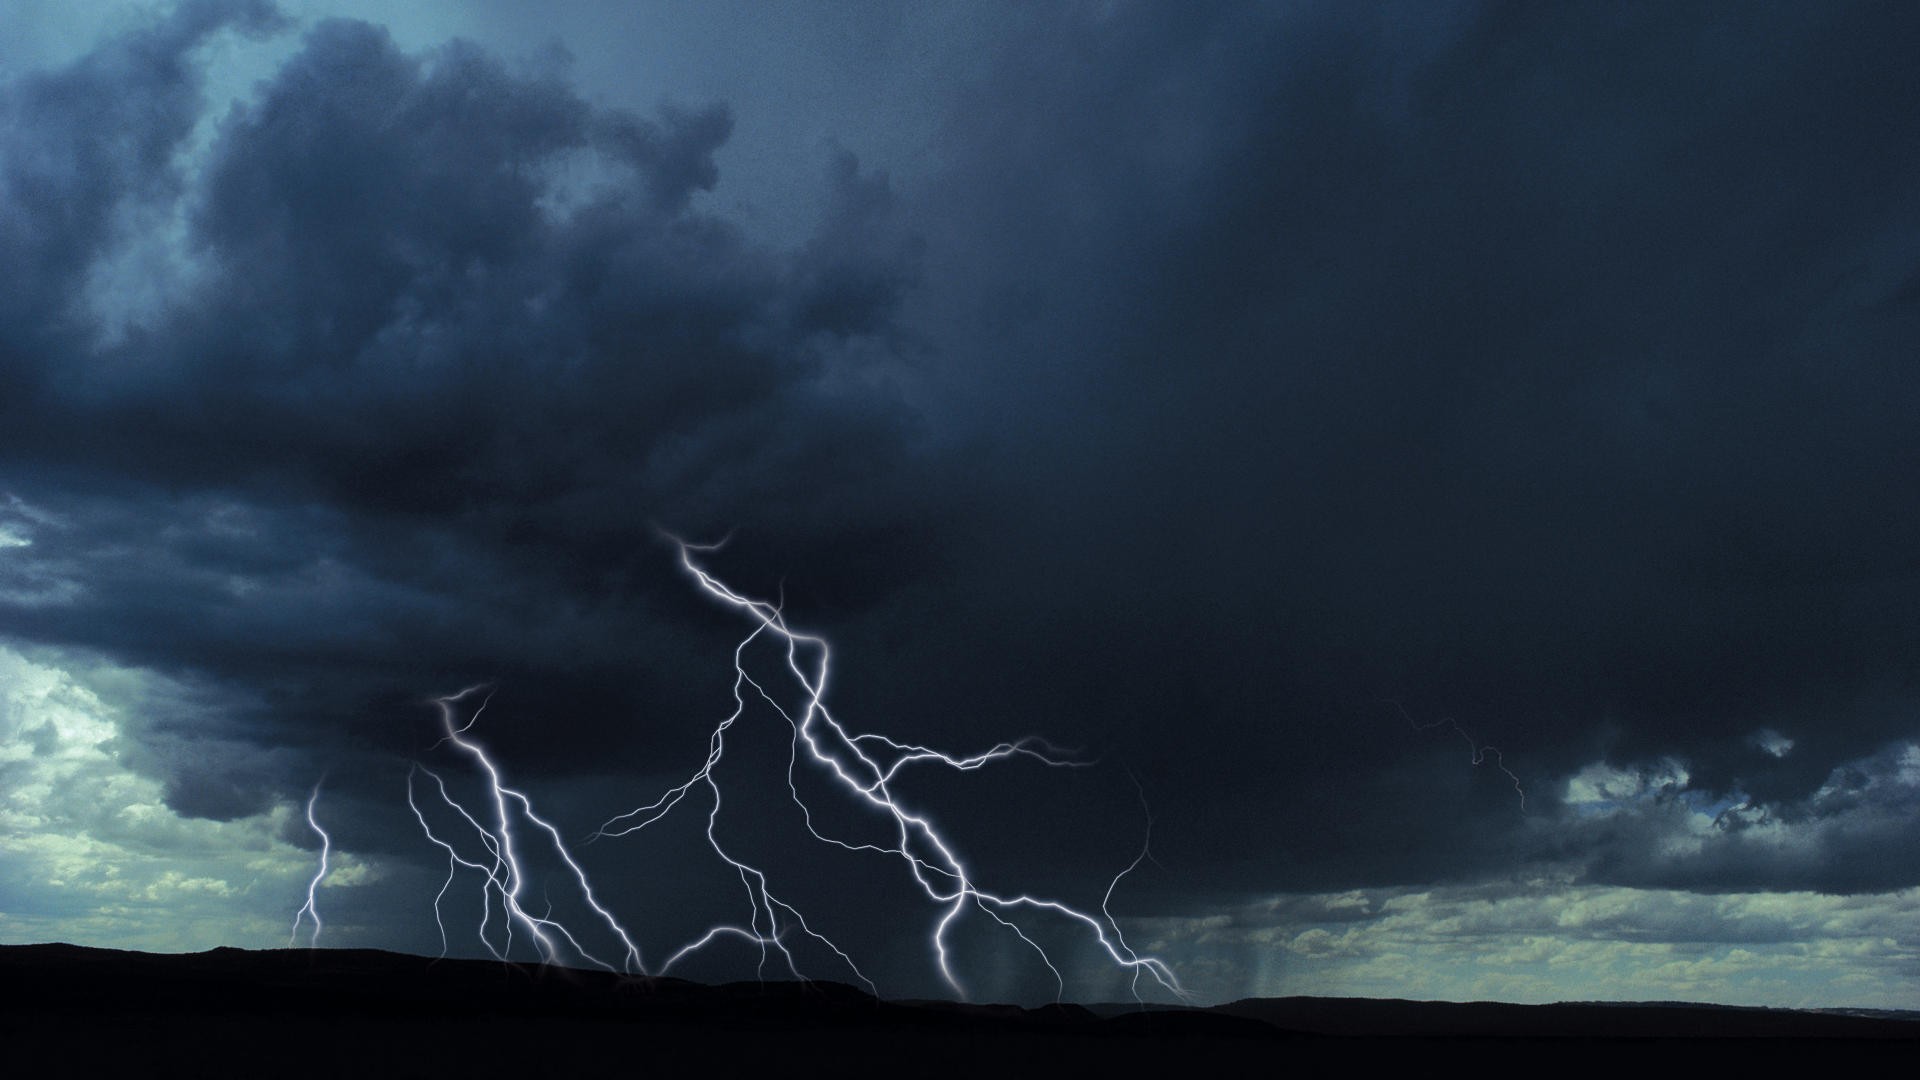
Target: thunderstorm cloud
[(1200, 385)]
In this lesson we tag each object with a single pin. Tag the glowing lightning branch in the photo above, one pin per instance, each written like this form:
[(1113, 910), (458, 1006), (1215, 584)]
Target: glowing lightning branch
[(506, 878), (310, 911), (1480, 750), (864, 765)]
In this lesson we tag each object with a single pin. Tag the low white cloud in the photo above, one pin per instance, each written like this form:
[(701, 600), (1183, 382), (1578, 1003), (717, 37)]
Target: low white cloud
[(89, 851), (1653, 824), (1601, 787), (1554, 940)]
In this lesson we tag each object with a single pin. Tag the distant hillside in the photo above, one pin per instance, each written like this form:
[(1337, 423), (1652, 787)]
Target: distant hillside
[(364, 1013)]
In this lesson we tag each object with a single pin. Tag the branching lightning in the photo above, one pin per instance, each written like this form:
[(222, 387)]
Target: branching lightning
[(311, 910), (1481, 751), (862, 766), (505, 878)]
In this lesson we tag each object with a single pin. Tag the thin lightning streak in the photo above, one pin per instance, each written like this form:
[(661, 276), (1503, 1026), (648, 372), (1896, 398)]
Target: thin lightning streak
[(1480, 750), (1146, 852), (471, 720), (454, 862), (843, 755), (310, 910)]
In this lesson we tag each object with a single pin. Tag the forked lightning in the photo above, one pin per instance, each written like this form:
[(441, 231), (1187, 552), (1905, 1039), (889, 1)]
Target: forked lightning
[(311, 910), (863, 766)]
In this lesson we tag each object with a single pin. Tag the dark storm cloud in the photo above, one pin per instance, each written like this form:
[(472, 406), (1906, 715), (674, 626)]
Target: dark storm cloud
[(446, 343), (80, 144), (1544, 367), (1662, 829), (395, 322), (1550, 368)]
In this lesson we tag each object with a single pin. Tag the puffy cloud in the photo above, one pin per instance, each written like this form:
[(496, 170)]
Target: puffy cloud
[(91, 853), (1654, 825), (1227, 372), (453, 342), (1601, 787), (1547, 939)]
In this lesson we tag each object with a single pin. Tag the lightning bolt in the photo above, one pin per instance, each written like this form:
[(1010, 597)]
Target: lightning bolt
[(861, 766), (864, 766), (505, 879), (310, 910), (1480, 750)]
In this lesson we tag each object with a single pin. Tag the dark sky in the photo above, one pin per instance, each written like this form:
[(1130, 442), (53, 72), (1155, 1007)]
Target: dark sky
[(1279, 403)]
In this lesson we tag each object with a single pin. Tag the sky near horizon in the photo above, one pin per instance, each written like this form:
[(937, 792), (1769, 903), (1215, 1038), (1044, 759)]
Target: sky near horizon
[(1450, 467)]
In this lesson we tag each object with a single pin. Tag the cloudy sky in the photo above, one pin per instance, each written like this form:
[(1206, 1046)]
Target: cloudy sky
[(1452, 467)]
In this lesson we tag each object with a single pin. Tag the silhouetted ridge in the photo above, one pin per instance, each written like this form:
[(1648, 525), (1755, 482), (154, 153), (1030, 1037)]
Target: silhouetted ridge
[(333, 1012)]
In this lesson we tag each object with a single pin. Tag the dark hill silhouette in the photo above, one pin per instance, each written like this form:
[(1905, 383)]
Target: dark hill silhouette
[(359, 1013)]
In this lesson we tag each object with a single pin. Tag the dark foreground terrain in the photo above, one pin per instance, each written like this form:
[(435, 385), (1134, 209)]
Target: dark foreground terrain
[(358, 1013)]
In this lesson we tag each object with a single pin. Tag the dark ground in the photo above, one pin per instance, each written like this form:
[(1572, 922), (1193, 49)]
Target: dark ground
[(350, 1012)]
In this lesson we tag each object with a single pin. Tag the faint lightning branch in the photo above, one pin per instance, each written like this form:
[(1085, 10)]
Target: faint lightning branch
[(864, 766), (454, 861), (1480, 750), (310, 910), (471, 720)]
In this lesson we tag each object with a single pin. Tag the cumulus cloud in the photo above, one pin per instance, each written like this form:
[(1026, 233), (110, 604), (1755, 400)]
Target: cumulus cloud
[(1600, 787), (1231, 371), (90, 850), (453, 342), (1653, 825), (1548, 939)]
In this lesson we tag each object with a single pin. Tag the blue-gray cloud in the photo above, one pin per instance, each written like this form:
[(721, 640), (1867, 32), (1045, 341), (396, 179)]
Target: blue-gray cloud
[(1237, 370)]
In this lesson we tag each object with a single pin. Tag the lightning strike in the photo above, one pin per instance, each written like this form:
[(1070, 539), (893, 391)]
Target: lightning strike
[(1479, 750), (505, 880), (310, 910), (863, 767)]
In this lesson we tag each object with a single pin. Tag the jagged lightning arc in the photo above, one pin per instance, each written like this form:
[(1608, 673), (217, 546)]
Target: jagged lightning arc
[(311, 910), (505, 879), (1479, 749), (862, 766)]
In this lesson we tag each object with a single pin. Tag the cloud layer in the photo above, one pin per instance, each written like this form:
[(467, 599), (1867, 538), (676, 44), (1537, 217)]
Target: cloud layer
[(1216, 379)]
